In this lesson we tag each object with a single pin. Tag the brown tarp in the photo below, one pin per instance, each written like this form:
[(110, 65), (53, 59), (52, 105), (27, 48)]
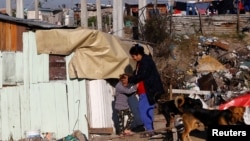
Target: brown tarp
[(96, 55)]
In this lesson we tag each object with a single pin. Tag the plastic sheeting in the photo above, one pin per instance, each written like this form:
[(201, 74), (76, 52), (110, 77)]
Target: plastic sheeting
[(97, 55), (243, 100)]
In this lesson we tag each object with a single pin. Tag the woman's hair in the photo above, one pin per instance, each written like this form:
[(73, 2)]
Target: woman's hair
[(136, 49)]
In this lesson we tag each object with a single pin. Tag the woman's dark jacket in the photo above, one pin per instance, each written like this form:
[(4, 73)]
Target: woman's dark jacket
[(148, 73)]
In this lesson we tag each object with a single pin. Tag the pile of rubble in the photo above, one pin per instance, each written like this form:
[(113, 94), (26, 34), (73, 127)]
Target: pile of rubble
[(219, 68)]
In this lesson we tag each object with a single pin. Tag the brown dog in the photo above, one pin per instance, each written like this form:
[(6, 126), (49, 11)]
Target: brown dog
[(192, 118)]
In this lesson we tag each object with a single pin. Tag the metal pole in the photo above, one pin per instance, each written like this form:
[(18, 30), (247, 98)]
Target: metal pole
[(238, 17), (36, 9), (99, 15), (115, 17), (155, 5), (19, 9), (118, 17), (84, 14), (8, 7), (142, 13)]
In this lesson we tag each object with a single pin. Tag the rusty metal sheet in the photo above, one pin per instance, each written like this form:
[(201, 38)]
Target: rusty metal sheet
[(57, 67), (219, 44)]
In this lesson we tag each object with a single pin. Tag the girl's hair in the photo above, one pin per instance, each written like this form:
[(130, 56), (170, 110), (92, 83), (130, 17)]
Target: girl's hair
[(122, 76), (136, 49)]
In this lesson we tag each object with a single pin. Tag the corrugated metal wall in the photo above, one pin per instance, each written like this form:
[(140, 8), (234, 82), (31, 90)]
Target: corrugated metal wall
[(11, 36), (33, 102), (100, 98)]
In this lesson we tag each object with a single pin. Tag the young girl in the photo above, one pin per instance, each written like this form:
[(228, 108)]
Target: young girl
[(123, 90)]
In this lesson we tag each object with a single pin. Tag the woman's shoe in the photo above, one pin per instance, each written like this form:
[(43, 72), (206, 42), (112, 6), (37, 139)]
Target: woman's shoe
[(147, 135), (128, 132), (139, 128)]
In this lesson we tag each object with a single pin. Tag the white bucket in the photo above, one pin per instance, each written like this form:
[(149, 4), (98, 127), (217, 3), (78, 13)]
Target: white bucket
[(32, 133)]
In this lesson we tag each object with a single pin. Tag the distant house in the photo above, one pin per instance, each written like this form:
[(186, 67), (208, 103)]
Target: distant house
[(132, 9), (53, 16)]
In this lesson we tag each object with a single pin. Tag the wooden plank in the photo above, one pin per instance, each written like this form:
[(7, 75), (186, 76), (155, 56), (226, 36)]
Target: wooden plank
[(4, 118), (35, 107), (181, 91), (19, 67), (101, 131), (77, 104), (72, 101), (48, 107), (34, 67), (19, 41), (14, 112), (62, 119), (1, 113), (25, 95), (13, 29), (26, 68), (77, 96), (1, 70), (57, 67), (96, 115), (8, 37), (25, 110), (83, 109), (100, 101), (71, 96), (9, 68), (2, 37), (40, 62), (45, 73)]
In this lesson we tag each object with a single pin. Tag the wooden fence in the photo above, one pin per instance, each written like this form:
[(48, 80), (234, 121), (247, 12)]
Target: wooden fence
[(218, 24)]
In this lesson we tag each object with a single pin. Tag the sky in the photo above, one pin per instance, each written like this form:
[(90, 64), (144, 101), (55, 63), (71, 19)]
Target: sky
[(51, 3), (55, 3)]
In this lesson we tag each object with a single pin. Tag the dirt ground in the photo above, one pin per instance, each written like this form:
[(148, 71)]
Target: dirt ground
[(159, 125)]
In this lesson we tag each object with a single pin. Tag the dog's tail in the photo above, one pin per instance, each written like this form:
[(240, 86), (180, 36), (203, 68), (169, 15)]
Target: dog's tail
[(179, 101)]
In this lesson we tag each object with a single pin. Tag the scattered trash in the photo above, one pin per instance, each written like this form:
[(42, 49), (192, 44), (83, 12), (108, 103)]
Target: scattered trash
[(32, 134)]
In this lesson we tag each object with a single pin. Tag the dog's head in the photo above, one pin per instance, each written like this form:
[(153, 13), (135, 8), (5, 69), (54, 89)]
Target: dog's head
[(237, 114), (194, 103)]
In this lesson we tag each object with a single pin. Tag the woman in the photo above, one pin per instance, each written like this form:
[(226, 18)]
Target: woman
[(149, 85)]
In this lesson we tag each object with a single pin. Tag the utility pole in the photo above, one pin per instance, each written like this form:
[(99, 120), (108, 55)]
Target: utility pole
[(238, 17), (155, 5), (19, 9), (99, 15), (142, 12), (118, 17), (115, 17), (84, 14), (8, 7), (36, 9)]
